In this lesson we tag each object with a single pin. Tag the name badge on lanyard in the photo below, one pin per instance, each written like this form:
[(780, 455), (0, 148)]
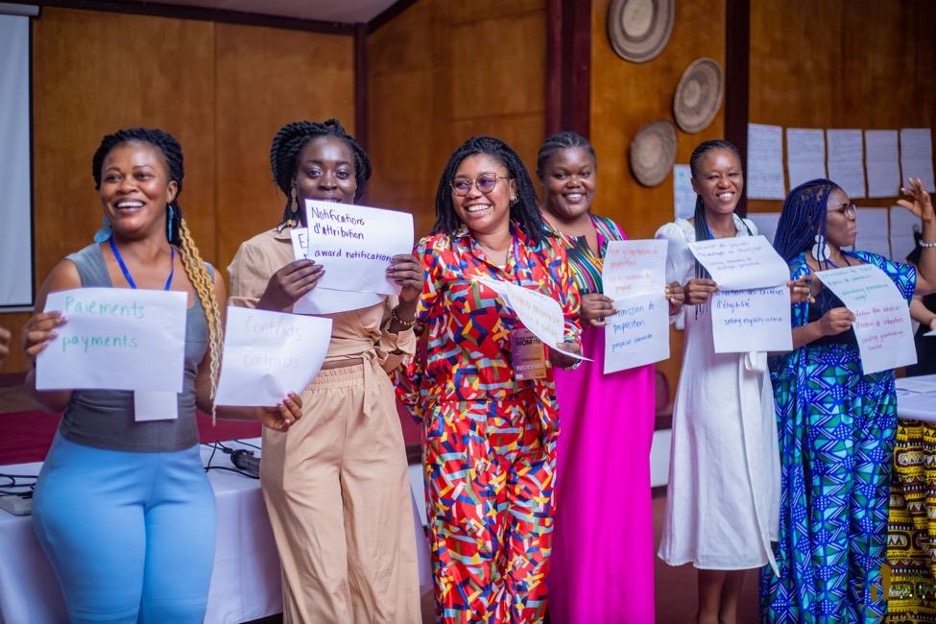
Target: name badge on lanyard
[(527, 355)]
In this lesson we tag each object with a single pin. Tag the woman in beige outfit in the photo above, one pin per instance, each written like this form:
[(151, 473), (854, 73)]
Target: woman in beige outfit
[(335, 485)]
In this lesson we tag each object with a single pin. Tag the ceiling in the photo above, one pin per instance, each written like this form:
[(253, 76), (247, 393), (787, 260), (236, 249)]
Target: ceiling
[(346, 11)]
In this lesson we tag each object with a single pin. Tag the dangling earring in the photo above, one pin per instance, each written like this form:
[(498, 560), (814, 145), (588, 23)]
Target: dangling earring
[(514, 200), (293, 206), (104, 233), (820, 251), (169, 217)]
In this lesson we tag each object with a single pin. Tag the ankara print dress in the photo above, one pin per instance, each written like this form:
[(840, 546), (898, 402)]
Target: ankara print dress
[(490, 440), (836, 428)]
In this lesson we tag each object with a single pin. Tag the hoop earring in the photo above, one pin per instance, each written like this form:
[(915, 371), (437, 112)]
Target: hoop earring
[(820, 251), (104, 233)]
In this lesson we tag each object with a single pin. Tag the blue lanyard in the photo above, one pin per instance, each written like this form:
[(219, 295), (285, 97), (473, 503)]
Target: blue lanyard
[(126, 271)]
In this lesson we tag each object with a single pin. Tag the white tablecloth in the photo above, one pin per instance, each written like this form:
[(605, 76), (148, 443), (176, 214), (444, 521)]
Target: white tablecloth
[(916, 398), (245, 581)]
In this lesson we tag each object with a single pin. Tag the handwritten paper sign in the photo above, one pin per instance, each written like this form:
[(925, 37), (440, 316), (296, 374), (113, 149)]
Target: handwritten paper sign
[(356, 244), (752, 320), (752, 295), (882, 317), (321, 300), (634, 276), (115, 339), (741, 262), (268, 354), (539, 313)]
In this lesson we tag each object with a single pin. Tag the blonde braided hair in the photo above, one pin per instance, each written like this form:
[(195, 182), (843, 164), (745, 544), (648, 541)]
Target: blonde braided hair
[(203, 284)]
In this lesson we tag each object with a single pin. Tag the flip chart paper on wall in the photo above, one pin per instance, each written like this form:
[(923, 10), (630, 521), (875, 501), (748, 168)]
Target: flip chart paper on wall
[(634, 276), (882, 316), (539, 313), (268, 354), (764, 179), (356, 244), (321, 300), (115, 339)]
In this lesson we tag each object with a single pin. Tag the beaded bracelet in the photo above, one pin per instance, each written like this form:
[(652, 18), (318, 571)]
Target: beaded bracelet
[(396, 317), (924, 243)]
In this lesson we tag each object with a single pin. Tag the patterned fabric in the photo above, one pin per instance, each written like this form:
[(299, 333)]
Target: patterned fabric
[(911, 539), (837, 431), (585, 266), (490, 440)]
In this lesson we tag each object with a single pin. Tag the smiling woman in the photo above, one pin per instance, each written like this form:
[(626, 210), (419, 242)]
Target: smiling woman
[(336, 485)]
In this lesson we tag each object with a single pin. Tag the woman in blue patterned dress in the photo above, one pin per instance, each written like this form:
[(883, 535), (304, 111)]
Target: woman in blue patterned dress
[(836, 425)]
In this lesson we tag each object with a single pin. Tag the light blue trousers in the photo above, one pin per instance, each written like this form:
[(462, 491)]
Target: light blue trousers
[(131, 536)]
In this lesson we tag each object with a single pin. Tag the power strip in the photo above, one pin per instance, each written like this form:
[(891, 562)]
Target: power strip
[(16, 505)]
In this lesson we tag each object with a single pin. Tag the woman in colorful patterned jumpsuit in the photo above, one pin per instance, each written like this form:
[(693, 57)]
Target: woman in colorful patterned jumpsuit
[(490, 437)]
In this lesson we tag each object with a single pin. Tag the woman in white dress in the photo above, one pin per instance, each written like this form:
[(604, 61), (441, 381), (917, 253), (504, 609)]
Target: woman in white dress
[(724, 480)]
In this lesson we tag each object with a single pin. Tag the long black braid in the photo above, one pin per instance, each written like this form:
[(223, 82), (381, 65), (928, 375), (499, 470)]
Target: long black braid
[(172, 152), (525, 211), (565, 139), (803, 217), (702, 230), (288, 143)]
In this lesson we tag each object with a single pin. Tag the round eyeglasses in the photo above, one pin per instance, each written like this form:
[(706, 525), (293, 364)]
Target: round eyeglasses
[(486, 182), (847, 210)]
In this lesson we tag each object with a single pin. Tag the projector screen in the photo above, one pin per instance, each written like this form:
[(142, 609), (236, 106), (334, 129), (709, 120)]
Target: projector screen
[(16, 238)]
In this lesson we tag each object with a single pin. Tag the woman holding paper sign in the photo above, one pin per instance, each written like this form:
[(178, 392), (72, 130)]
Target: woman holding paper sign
[(484, 388), (722, 496), (837, 429), (122, 506), (336, 485), (601, 571)]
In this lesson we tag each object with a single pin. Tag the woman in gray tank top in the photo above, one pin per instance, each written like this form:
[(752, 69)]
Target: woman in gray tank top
[(122, 507)]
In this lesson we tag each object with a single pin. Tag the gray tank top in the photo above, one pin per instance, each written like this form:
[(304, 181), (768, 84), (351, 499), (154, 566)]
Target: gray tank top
[(104, 418)]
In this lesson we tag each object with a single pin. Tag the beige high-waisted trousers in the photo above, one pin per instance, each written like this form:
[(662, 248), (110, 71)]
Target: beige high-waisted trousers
[(337, 493)]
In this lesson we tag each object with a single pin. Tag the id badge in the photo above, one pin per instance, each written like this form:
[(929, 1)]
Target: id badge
[(527, 355), (153, 405)]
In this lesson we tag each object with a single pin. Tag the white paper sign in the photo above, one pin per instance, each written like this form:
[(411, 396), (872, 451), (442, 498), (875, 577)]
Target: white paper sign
[(741, 262), (684, 198), (765, 162), (539, 313), (882, 162), (882, 317), (805, 155), (321, 300), (634, 276), (846, 161), (916, 156), (752, 320), (115, 339), (269, 354), (356, 244)]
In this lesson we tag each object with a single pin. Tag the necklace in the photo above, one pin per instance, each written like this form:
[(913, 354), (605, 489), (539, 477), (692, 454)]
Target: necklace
[(126, 271)]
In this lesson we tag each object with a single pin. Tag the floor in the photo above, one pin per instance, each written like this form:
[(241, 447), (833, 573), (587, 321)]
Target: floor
[(675, 586)]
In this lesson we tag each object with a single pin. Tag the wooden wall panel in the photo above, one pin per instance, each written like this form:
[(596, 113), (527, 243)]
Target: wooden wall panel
[(223, 91), (265, 78), (865, 64), (624, 97), (441, 72)]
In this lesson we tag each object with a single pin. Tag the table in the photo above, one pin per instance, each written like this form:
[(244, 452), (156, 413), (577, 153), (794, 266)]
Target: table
[(245, 580), (916, 398)]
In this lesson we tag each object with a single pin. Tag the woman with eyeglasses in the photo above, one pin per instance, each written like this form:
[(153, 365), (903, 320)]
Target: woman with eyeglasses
[(484, 388), (836, 425)]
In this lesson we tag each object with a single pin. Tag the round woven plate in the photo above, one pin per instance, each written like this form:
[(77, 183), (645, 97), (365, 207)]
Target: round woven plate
[(639, 29), (653, 152), (698, 95)]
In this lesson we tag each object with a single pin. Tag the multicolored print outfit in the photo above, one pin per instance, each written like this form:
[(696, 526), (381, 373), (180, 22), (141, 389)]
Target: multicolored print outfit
[(490, 449)]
